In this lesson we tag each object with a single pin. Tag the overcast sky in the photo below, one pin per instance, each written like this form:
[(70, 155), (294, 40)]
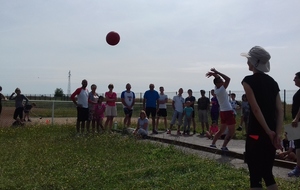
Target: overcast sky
[(170, 43)]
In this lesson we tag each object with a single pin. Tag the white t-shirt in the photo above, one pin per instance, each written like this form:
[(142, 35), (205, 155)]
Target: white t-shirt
[(223, 100), (178, 103), (128, 97), (162, 97)]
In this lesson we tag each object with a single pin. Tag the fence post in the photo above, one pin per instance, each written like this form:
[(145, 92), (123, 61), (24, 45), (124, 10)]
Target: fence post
[(52, 112), (284, 104)]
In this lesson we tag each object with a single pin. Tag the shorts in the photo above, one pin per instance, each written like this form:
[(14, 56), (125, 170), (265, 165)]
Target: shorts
[(227, 117), (128, 112), (18, 112), (91, 114), (82, 114), (203, 116), (150, 111), (111, 111), (177, 115), (162, 112)]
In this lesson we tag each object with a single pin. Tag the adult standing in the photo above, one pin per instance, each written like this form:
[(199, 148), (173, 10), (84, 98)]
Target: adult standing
[(203, 110), (150, 105), (111, 108), (296, 119), (265, 119), (1, 97), (226, 112), (192, 101), (128, 101), (82, 106), (178, 106), (19, 98), (162, 108), (215, 107), (93, 99)]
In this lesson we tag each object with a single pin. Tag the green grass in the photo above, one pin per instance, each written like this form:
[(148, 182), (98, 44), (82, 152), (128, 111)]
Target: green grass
[(52, 157)]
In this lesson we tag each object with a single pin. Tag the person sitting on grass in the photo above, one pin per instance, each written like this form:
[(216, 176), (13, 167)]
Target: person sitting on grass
[(27, 109), (98, 115), (142, 125), (288, 151), (213, 129)]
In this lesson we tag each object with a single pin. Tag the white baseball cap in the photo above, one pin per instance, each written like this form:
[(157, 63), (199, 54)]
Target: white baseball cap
[(259, 58)]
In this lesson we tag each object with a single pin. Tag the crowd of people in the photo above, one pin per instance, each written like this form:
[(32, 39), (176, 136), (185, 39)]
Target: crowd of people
[(261, 114)]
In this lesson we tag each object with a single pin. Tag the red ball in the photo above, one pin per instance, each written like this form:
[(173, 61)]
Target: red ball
[(112, 38)]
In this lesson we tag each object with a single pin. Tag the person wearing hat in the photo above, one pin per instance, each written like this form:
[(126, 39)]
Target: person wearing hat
[(265, 119)]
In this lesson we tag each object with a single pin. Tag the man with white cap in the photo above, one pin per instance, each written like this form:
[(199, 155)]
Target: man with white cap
[(265, 119)]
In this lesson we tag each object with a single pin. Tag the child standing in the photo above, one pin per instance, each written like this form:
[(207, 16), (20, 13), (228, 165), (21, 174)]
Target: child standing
[(99, 111), (213, 129), (187, 114), (27, 109)]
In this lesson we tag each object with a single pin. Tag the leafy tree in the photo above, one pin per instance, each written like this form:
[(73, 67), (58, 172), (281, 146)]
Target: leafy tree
[(58, 92)]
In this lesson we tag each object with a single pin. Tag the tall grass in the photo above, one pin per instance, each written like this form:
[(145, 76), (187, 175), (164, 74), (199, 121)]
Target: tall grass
[(52, 157)]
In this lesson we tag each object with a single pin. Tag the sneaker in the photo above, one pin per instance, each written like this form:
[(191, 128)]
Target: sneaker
[(213, 146), (239, 128), (295, 172), (178, 133), (168, 131), (154, 131), (224, 149)]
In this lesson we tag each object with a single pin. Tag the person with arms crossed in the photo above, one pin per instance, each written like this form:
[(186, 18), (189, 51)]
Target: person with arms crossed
[(192, 100), (226, 112), (162, 108), (111, 107), (203, 109), (128, 101), (93, 99), (265, 119), (296, 119), (150, 105), (82, 95)]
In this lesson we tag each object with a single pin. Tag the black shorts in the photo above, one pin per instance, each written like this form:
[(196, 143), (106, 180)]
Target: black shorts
[(18, 112), (82, 114), (150, 111), (128, 112), (162, 113)]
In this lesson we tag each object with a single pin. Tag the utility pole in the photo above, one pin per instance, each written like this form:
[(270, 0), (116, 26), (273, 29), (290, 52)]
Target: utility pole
[(69, 84)]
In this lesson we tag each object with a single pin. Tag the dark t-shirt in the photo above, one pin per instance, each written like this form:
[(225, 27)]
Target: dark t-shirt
[(203, 103), (191, 99), (296, 104), (265, 90)]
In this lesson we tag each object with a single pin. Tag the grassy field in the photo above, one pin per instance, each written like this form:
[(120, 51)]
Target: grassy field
[(52, 157)]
